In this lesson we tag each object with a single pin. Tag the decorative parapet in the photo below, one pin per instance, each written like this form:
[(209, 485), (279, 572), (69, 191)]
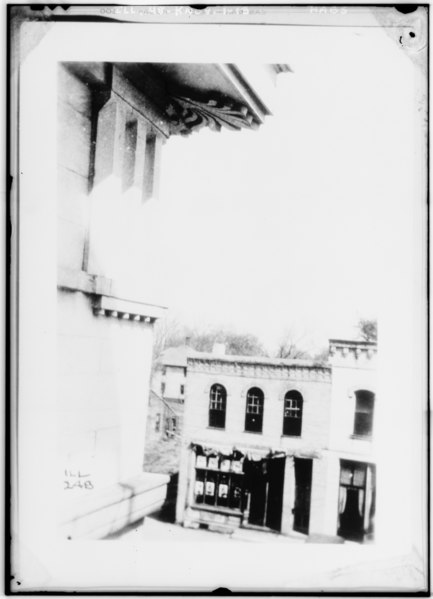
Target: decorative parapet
[(256, 368), (340, 349)]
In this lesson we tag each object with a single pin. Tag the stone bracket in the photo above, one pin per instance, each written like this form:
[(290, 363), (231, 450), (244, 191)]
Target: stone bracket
[(104, 305)]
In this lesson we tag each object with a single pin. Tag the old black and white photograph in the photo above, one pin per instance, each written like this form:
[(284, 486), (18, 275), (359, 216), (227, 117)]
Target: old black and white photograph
[(219, 298)]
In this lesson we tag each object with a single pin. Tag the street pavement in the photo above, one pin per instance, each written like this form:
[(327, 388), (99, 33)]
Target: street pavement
[(153, 529)]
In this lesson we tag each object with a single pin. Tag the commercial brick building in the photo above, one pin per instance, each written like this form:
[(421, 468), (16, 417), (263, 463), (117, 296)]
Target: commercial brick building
[(265, 443)]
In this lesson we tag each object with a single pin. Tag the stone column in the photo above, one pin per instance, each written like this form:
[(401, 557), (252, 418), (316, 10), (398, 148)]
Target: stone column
[(110, 141), (246, 512), (185, 496)]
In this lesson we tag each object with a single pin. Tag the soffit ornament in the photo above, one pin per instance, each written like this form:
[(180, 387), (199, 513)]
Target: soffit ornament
[(187, 115)]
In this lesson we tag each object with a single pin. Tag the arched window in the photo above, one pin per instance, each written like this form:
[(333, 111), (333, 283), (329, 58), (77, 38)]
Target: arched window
[(364, 409), (254, 410), (217, 406), (292, 421)]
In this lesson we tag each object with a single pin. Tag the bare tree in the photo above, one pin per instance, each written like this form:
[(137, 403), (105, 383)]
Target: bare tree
[(242, 344), (167, 332), (368, 329), (322, 355), (289, 347)]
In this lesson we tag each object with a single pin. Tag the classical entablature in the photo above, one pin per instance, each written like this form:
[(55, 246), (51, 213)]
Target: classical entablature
[(186, 97), (130, 110)]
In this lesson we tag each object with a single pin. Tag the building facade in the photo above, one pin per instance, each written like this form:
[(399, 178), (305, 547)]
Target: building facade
[(264, 445), (352, 456), (169, 382), (87, 189)]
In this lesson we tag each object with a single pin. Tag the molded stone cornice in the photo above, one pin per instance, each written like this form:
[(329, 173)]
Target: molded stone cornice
[(187, 115), (269, 371)]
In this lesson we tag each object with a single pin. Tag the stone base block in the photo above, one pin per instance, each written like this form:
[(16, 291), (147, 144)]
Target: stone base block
[(111, 509)]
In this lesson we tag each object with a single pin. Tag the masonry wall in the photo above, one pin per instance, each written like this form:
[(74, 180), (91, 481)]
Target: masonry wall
[(315, 430), (173, 379), (103, 362), (316, 410), (350, 374), (73, 168), (103, 377), (351, 371)]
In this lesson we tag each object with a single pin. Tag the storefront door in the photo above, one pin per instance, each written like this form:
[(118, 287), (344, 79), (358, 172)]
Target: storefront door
[(356, 500), (266, 480), (301, 511)]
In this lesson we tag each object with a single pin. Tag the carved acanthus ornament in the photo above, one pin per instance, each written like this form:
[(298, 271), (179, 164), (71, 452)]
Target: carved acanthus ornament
[(187, 115)]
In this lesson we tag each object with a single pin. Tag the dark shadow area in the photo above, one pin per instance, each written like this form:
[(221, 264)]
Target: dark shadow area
[(168, 510), (128, 528)]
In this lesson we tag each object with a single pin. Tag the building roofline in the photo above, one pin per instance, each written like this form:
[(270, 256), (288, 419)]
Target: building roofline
[(282, 68), (350, 342), (161, 399), (258, 360)]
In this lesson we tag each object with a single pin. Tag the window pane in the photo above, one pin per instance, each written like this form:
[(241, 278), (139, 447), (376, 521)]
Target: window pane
[(199, 486), (210, 488), (201, 461), (217, 406), (254, 410), (223, 490), (253, 423), (359, 476), (353, 474), (363, 424), (292, 427), (364, 409), (235, 492), (217, 419), (346, 475), (292, 423)]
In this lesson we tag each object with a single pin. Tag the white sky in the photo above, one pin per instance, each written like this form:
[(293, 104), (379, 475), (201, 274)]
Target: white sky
[(289, 227)]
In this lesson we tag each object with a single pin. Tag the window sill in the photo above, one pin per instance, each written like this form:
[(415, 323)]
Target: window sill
[(216, 428), (254, 432), (361, 437), (283, 436), (216, 509), (207, 469)]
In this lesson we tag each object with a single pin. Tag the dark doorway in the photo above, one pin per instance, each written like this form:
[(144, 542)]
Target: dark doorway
[(351, 520), (356, 503), (301, 510), (275, 493), (266, 483)]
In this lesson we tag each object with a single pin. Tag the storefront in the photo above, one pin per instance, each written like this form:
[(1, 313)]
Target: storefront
[(232, 488)]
